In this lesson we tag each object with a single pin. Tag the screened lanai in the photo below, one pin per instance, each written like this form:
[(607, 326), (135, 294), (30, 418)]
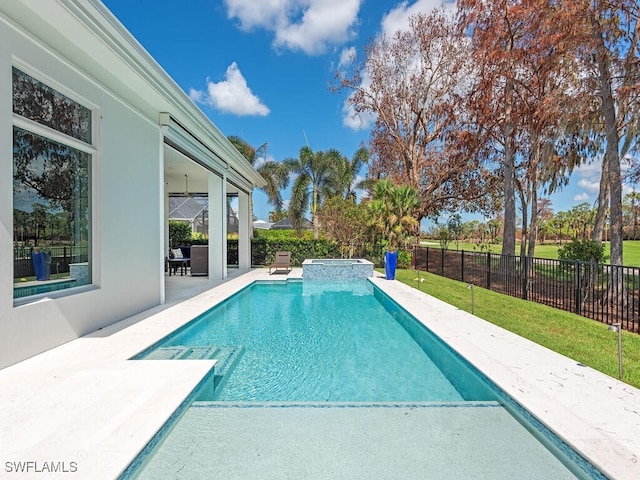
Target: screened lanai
[(194, 210), (213, 199)]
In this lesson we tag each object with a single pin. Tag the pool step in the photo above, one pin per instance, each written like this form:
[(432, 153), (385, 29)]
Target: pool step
[(183, 353), (228, 358), (200, 353)]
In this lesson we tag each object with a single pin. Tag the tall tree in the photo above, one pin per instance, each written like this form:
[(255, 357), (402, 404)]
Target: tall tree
[(348, 171), (315, 180), (412, 84), (274, 173), (504, 44), (552, 95), (611, 55), (496, 31)]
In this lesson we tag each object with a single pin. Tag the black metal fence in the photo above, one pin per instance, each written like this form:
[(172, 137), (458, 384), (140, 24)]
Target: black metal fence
[(607, 293), (61, 257)]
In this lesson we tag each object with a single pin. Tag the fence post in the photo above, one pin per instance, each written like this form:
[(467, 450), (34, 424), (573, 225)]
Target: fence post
[(525, 275), (488, 270), (577, 280), (442, 262), (426, 267), (462, 266)]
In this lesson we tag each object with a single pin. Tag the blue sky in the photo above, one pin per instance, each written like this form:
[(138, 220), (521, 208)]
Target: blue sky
[(262, 69)]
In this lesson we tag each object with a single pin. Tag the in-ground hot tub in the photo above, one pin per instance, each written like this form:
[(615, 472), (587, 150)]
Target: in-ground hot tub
[(337, 269)]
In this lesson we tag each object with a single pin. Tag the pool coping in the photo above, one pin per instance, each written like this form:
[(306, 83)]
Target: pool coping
[(99, 413), (566, 396)]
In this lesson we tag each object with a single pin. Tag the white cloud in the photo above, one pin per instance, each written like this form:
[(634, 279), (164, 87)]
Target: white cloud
[(261, 159), (231, 95), (589, 175), (589, 185), (398, 17), (257, 14), (196, 95), (590, 169), (311, 26), (347, 57), (581, 197), (356, 121)]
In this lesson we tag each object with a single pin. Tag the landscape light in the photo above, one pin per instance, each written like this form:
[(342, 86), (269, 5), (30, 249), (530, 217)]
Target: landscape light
[(617, 327)]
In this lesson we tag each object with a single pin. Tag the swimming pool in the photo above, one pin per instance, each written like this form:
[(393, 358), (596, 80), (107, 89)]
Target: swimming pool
[(352, 354), (36, 288)]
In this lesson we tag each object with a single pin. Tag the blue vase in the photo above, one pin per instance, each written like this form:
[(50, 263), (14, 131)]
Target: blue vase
[(390, 261), (41, 265)]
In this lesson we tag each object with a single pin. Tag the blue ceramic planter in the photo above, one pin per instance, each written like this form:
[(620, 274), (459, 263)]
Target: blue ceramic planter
[(390, 262)]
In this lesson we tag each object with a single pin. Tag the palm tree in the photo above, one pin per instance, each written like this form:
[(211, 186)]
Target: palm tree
[(277, 178), (315, 180), (394, 209), (348, 171), (274, 173)]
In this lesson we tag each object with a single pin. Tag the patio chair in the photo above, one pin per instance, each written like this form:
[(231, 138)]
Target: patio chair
[(177, 259), (282, 262)]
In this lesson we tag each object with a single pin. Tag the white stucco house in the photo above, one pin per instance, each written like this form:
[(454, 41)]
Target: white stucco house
[(97, 136)]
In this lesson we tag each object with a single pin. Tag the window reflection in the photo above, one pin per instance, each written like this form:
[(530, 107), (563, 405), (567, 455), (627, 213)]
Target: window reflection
[(51, 193)]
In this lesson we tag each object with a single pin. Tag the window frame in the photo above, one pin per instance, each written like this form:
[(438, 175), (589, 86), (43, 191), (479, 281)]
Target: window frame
[(51, 134)]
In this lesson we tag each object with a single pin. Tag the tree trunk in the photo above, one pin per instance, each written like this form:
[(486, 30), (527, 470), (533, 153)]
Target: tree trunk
[(615, 295), (314, 211), (611, 156), (603, 203), (533, 229), (509, 226), (525, 215), (634, 213)]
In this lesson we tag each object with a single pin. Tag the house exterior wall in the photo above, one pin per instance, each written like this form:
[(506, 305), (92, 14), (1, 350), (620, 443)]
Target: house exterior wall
[(127, 209), (79, 48)]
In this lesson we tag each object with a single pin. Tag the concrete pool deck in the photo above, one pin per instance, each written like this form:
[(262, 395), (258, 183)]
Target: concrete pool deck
[(85, 410)]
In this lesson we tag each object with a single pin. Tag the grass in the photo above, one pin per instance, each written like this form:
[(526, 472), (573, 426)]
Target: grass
[(584, 340), (631, 250)]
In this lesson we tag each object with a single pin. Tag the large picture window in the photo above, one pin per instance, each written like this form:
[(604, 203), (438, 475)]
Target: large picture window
[(52, 157)]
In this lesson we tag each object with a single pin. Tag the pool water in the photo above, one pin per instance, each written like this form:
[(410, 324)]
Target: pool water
[(330, 358), (20, 291), (322, 347)]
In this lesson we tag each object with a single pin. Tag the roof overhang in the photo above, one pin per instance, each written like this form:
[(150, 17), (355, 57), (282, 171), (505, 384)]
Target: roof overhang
[(90, 37)]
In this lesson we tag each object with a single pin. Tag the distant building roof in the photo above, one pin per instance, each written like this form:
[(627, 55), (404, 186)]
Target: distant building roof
[(262, 225), (285, 224)]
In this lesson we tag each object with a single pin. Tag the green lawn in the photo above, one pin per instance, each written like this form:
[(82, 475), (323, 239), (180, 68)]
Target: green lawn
[(586, 341), (631, 250)]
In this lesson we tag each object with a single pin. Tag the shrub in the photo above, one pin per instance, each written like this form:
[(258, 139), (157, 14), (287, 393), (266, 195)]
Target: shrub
[(404, 259), (583, 250), (281, 235), (198, 238), (179, 233)]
